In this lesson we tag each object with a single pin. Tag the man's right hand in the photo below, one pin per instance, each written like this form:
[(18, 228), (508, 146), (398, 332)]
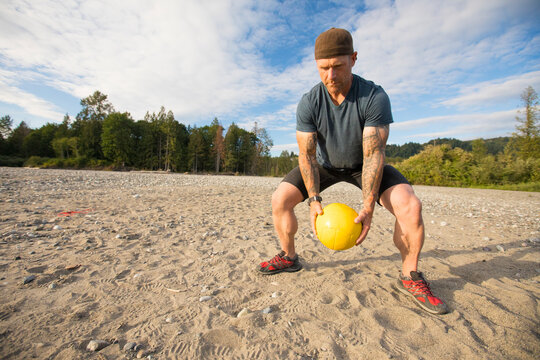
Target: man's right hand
[(315, 209), (364, 218)]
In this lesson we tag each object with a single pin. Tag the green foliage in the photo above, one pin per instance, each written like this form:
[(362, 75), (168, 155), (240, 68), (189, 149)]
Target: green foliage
[(103, 139), (496, 145), (199, 145), (452, 143), (5, 126), (438, 165), (527, 135), (71, 163), (65, 147), (239, 149), (15, 141), (442, 166), (89, 124), (218, 144), (285, 163), (36, 161), (403, 151), (39, 142), (117, 139), (13, 161)]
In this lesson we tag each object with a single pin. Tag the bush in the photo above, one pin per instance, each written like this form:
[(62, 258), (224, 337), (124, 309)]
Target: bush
[(443, 166), (11, 161), (36, 161)]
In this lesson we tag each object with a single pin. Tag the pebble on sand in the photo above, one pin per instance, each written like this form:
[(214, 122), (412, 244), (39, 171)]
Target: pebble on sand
[(29, 279), (205, 298), (130, 346), (500, 248), (96, 345), (243, 312)]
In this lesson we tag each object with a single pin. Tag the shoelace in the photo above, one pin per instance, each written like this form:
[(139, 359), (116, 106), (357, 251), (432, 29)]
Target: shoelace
[(278, 261), (420, 287)]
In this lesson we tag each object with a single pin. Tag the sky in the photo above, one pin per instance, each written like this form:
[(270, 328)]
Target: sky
[(451, 68)]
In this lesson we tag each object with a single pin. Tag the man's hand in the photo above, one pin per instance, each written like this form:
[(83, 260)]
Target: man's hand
[(315, 209), (364, 217), (373, 145)]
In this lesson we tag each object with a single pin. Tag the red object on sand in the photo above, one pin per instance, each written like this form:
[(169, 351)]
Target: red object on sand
[(69, 213)]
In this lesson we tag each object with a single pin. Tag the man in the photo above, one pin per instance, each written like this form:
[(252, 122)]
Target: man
[(342, 129)]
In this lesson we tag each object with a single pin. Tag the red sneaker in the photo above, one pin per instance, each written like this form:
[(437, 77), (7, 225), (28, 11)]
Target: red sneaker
[(417, 287), (280, 263)]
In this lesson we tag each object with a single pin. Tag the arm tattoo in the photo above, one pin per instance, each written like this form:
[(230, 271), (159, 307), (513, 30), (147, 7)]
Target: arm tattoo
[(307, 161), (374, 144)]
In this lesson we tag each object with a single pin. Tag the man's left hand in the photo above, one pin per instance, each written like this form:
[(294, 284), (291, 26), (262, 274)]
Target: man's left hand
[(364, 217), (315, 209)]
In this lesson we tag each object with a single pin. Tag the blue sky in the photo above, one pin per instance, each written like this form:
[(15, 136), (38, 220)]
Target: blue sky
[(451, 68)]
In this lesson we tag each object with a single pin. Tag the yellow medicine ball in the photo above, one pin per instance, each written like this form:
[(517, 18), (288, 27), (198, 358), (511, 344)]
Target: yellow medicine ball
[(336, 228)]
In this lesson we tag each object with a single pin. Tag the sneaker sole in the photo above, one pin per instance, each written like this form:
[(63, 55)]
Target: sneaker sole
[(420, 305), (273, 272)]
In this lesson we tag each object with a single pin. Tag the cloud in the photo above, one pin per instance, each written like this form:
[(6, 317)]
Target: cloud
[(283, 119), (421, 46), (463, 126), (35, 106), (196, 57), (250, 60), (495, 91), (277, 149)]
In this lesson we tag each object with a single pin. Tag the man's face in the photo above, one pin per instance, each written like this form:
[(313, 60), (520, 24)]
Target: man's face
[(336, 72)]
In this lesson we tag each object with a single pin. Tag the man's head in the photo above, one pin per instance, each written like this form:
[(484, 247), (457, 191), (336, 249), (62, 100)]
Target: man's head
[(335, 57), (332, 43)]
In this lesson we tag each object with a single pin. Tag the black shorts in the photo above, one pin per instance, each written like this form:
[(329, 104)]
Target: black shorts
[(328, 177)]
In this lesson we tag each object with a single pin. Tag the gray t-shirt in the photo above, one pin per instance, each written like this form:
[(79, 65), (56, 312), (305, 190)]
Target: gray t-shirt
[(339, 128)]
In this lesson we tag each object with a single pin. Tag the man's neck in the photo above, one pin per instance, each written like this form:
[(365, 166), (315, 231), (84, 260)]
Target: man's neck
[(340, 94)]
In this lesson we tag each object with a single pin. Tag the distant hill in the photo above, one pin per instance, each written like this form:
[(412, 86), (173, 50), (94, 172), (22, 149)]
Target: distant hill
[(400, 152)]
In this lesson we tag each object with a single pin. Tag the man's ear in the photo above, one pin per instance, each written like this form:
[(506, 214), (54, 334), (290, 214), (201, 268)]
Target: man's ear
[(354, 56)]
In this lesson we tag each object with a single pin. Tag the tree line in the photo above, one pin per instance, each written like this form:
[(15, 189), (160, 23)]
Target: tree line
[(508, 162), (397, 153), (101, 137)]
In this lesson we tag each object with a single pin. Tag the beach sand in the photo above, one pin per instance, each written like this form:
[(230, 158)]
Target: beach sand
[(167, 263)]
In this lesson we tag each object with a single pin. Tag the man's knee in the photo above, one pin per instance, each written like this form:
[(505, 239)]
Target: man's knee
[(402, 202), (286, 197), (409, 207)]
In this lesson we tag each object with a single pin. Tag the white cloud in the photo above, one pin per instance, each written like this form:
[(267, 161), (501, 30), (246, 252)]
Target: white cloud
[(277, 149), (462, 126), (194, 57), (205, 58), (418, 46), (280, 120), (35, 106), (495, 91)]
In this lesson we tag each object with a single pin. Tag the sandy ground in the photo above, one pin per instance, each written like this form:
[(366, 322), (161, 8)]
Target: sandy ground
[(167, 262)]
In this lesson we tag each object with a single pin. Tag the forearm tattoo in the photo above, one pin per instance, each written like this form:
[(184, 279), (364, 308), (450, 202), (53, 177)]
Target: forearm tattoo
[(374, 143), (307, 161)]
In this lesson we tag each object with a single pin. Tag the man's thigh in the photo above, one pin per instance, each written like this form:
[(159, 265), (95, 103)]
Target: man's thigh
[(326, 180), (390, 178), (399, 198)]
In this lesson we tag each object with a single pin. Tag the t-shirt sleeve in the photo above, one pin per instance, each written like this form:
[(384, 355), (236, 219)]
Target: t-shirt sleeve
[(305, 119), (379, 111)]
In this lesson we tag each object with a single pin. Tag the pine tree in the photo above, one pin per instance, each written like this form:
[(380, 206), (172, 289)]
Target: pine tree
[(527, 136)]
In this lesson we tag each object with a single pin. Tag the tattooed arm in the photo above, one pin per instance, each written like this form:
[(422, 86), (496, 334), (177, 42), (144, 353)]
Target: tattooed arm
[(309, 168), (374, 144)]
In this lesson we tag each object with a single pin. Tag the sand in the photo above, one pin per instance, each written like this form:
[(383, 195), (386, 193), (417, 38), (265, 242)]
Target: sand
[(167, 262)]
